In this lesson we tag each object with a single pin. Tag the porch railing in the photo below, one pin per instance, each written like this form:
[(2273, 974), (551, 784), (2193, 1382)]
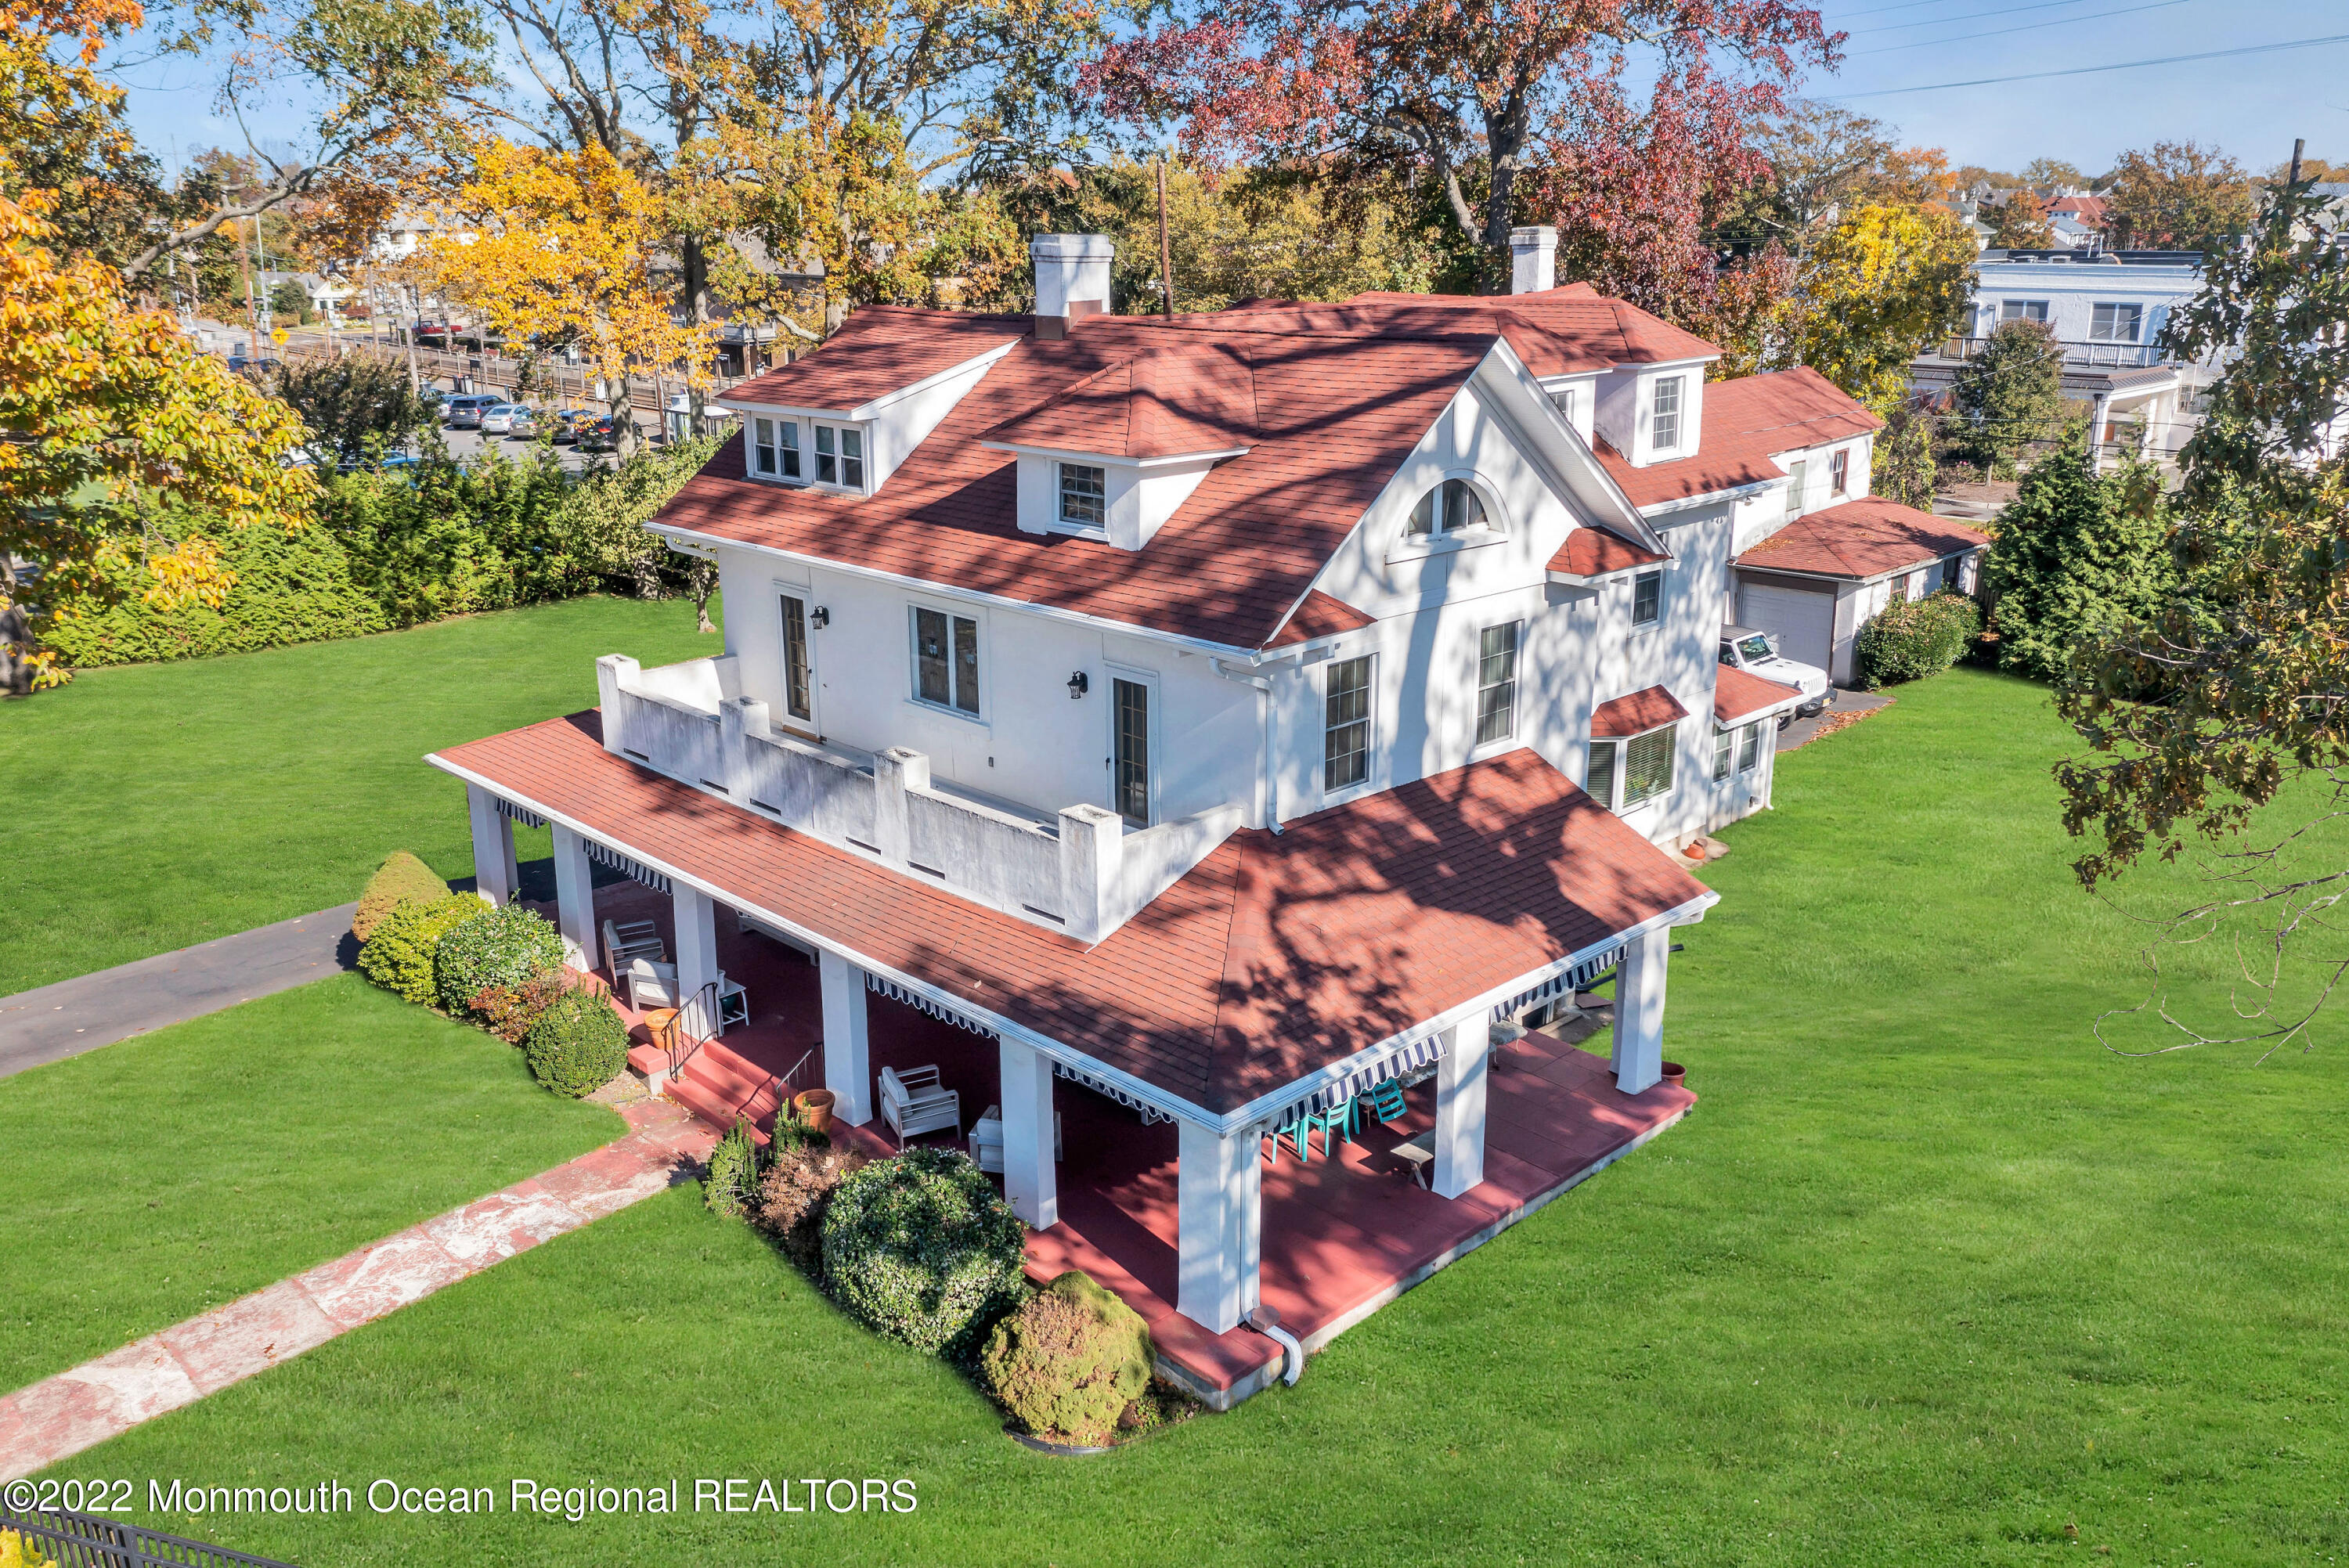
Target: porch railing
[(2076, 354), (1082, 871), (88, 1540)]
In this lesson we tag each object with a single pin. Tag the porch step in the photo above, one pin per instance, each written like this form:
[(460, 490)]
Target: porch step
[(718, 1085)]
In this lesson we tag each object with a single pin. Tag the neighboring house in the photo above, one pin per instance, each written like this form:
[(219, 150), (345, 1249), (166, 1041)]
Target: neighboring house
[(2107, 308), (320, 290), (1223, 715)]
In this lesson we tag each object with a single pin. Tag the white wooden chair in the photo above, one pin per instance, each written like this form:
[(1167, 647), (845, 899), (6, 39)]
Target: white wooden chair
[(987, 1139), (651, 985), (626, 941), (914, 1104)]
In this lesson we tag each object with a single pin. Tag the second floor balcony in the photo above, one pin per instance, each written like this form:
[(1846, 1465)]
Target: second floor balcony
[(1077, 870), (2077, 354)]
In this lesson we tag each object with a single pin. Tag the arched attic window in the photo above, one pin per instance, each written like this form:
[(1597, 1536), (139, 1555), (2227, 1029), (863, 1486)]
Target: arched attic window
[(1449, 508)]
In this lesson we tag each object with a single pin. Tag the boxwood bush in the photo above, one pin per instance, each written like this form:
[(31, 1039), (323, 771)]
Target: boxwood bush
[(920, 1250), (401, 879), (1915, 638), (398, 956), (578, 1044), (1068, 1361), (503, 947)]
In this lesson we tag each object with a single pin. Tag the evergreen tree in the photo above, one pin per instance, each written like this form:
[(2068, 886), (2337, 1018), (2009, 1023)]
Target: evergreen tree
[(2010, 394), (2077, 556)]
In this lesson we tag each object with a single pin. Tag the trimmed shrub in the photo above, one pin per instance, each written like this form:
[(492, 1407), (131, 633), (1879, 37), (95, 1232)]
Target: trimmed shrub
[(401, 879), (503, 947), (578, 1044), (509, 1013), (1915, 638), (1068, 1361), (920, 1250), (796, 1193), (733, 1174), (398, 956)]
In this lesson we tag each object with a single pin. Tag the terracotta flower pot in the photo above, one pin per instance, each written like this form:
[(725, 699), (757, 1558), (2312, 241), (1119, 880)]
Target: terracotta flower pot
[(1675, 1074), (815, 1109)]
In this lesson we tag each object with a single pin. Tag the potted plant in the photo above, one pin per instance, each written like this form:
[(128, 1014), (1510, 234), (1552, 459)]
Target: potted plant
[(815, 1106), (1675, 1074)]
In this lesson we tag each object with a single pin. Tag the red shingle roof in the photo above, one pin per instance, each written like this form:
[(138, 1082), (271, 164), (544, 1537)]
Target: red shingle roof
[(1322, 616), (1862, 539), (1636, 713), (1745, 423), (1191, 397), (873, 355), (1736, 693), (1589, 551), (1276, 956)]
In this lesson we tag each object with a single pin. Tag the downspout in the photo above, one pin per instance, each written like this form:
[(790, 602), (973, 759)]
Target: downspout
[(1271, 782), (1267, 1322)]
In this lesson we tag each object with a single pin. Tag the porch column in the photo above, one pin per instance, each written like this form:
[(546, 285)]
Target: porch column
[(494, 874), (1639, 1055), (697, 957), (1460, 1106), (1221, 1221), (847, 1057), (575, 899), (1031, 1179)]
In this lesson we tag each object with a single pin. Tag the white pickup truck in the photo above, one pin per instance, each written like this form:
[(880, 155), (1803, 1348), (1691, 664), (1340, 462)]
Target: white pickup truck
[(1743, 649)]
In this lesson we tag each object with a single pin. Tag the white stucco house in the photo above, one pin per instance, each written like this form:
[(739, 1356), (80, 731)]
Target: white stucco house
[(1219, 715)]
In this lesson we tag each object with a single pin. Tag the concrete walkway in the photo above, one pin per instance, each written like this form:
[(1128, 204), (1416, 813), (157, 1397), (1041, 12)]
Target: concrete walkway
[(61, 1416), (89, 1011)]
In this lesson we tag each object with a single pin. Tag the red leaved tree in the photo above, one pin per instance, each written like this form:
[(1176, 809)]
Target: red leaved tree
[(1538, 102)]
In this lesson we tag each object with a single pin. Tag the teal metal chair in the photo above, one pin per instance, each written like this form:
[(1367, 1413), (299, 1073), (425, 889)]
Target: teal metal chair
[(1300, 1133), (1343, 1120), (1386, 1101)]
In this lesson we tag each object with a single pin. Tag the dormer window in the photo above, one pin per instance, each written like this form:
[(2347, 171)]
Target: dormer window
[(839, 456), (1083, 496), (1449, 508), (1667, 425), (775, 448)]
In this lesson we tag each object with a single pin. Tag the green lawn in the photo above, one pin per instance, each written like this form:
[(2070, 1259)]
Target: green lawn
[(146, 1183), (158, 805), (1925, 1278)]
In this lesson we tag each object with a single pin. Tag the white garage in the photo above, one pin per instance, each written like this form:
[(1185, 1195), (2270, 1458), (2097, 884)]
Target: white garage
[(1801, 619)]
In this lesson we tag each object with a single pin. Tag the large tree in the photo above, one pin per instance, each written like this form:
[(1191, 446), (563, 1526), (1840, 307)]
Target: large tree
[(1881, 286), (1484, 95), (2252, 663), (2010, 396), (108, 418), (2179, 195)]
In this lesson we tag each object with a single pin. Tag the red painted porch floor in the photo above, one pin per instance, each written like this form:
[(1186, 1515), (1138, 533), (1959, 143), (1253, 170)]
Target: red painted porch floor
[(1340, 1236)]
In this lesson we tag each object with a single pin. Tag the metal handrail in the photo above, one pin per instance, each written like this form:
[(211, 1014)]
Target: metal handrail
[(88, 1540)]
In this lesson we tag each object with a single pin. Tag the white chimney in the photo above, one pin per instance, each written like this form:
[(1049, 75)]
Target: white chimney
[(1533, 259), (1071, 278)]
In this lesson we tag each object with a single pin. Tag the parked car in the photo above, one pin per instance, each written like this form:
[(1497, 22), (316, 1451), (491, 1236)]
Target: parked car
[(599, 435), (1756, 652), (570, 424), (465, 413), (523, 425)]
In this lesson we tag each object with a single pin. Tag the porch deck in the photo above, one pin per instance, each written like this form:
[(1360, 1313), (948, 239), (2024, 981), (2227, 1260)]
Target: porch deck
[(1341, 1237)]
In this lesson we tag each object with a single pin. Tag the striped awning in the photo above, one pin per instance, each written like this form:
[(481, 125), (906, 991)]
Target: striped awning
[(527, 818), (1394, 1063), (898, 993), (625, 866), (1573, 979), (1150, 1113)]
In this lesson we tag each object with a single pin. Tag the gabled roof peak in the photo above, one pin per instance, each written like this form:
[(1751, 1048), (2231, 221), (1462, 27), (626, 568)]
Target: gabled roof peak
[(1170, 400)]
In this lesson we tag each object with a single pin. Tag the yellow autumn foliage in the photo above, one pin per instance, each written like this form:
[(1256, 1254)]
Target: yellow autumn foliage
[(1886, 283)]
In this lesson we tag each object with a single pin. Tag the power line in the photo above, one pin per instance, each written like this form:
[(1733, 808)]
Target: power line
[(1884, 10), (2024, 27), (1969, 17), (2092, 70)]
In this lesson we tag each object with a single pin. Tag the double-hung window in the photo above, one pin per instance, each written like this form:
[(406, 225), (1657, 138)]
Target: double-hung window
[(1839, 470), (1722, 741), (1496, 682), (1796, 472), (1667, 425), (2023, 310), (1346, 723), (762, 447), (1647, 765), (1598, 775), (1084, 496), (839, 456), (1563, 398), (1647, 599), (946, 659), (2115, 322), (1749, 747), (789, 447)]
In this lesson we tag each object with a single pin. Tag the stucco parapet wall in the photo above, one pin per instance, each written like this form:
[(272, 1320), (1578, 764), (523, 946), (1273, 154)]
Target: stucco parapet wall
[(1081, 870)]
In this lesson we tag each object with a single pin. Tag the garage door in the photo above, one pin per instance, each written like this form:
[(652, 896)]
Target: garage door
[(1803, 622)]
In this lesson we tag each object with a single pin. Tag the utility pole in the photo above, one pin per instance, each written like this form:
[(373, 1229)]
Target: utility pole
[(1166, 251), (2299, 146), (252, 312)]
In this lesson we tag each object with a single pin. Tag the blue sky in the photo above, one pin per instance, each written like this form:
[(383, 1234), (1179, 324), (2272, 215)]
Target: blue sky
[(2251, 105)]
